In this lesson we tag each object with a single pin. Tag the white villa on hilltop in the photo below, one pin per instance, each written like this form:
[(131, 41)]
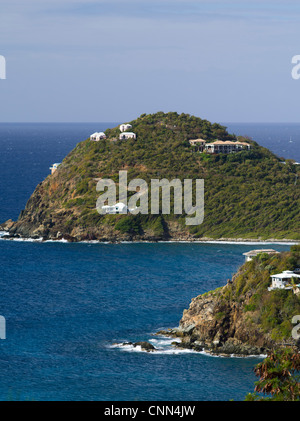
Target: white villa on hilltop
[(127, 135), (220, 146), (97, 136), (124, 127), (54, 167), (283, 280), (124, 134), (252, 253)]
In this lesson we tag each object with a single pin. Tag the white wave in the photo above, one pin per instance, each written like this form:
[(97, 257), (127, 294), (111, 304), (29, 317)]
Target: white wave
[(131, 348), (62, 240), (174, 351), (163, 346), (158, 351), (20, 239), (255, 243), (245, 242), (163, 342), (209, 354)]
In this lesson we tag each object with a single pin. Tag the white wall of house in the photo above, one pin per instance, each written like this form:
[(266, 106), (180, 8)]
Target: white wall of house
[(283, 280), (97, 136), (124, 127), (54, 167), (226, 146), (127, 135)]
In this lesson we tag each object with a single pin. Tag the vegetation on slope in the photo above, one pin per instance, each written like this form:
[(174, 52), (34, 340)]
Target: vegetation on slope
[(268, 312), (249, 194)]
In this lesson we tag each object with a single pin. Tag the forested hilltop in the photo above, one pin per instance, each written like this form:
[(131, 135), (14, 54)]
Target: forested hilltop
[(249, 194)]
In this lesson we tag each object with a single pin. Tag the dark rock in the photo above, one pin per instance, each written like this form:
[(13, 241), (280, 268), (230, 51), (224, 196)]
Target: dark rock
[(145, 346)]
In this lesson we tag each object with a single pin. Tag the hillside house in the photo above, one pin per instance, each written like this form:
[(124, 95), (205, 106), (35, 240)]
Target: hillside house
[(127, 135), (227, 146), (199, 143), (252, 253), (54, 167), (97, 136), (124, 127), (284, 280), (243, 145)]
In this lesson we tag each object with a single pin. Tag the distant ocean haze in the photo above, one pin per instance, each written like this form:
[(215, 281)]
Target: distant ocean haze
[(281, 138)]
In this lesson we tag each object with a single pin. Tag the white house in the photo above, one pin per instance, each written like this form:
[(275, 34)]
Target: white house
[(127, 135), (117, 208), (227, 146), (252, 253), (125, 127), (54, 167), (283, 280), (97, 136)]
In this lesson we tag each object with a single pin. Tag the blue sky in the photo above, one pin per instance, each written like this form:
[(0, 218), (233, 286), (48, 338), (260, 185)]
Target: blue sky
[(75, 60)]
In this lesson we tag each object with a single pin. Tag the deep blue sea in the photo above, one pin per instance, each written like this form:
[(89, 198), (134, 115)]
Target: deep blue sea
[(67, 304)]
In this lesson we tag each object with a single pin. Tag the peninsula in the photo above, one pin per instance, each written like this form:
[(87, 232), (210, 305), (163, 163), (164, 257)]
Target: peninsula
[(250, 193)]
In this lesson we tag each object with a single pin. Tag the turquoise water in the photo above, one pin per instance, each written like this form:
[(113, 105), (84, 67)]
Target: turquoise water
[(67, 304)]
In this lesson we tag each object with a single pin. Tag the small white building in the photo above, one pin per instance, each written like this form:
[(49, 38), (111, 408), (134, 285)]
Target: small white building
[(54, 167), (125, 127), (117, 208), (127, 135), (252, 253), (283, 280), (97, 136)]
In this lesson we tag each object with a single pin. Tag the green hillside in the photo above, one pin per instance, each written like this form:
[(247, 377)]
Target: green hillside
[(248, 194), (243, 316)]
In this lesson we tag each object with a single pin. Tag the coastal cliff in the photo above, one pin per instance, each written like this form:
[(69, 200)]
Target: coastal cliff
[(249, 194), (243, 317)]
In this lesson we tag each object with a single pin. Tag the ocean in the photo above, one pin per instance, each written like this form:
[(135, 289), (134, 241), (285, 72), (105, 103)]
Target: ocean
[(67, 305)]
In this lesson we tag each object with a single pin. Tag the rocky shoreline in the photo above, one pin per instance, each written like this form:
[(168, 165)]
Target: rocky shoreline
[(14, 230), (239, 318), (70, 239), (230, 348)]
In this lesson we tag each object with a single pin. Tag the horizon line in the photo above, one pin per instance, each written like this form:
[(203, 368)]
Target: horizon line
[(117, 122)]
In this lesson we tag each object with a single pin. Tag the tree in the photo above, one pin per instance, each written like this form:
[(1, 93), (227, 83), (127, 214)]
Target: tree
[(278, 377), (293, 285)]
